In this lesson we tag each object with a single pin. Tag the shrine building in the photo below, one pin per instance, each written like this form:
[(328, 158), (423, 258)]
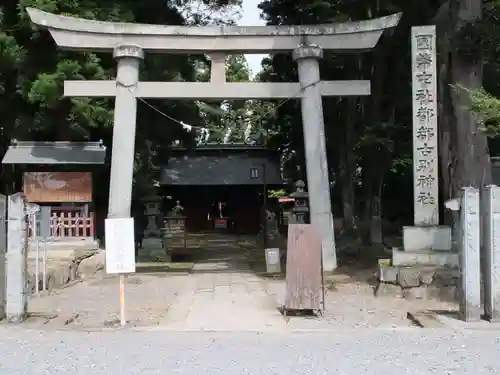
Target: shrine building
[(236, 174)]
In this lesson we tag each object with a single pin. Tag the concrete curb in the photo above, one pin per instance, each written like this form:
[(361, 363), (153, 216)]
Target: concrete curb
[(425, 319), (433, 320), (174, 331)]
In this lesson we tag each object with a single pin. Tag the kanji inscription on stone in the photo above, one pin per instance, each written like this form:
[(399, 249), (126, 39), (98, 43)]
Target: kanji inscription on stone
[(425, 135)]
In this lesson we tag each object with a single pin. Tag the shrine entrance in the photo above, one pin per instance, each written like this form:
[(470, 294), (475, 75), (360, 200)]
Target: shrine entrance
[(130, 42), (240, 211), (212, 300), (222, 189), (228, 181)]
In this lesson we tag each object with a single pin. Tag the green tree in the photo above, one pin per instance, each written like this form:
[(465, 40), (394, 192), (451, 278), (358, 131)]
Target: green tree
[(226, 117), (33, 69), (487, 107), (368, 139)]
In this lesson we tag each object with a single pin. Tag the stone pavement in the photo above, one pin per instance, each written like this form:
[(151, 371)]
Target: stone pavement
[(229, 301), (346, 352)]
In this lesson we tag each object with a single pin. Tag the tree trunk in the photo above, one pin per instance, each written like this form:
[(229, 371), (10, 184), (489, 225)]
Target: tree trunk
[(347, 164), (463, 148), (376, 234), (379, 159), (364, 228), (447, 135)]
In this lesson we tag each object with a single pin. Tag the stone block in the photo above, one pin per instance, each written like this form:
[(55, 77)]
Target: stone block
[(426, 238), (387, 274), (419, 292), (62, 276), (427, 276), (388, 290), (90, 266), (446, 277), (408, 277), (152, 243), (425, 258), (443, 293)]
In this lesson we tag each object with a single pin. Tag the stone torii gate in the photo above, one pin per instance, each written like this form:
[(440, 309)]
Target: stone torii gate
[(128, 43)]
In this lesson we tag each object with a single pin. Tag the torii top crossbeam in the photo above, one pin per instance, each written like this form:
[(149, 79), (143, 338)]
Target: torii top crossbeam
[(81, 34)]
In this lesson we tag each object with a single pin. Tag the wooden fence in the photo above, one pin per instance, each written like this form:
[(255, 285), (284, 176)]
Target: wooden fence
[(66, 225)]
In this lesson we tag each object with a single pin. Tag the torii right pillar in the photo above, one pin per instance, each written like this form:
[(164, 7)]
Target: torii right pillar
[(318, 183)]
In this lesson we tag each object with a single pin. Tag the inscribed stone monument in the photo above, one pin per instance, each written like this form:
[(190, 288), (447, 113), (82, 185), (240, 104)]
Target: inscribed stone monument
[(425, 135), (426, 235)]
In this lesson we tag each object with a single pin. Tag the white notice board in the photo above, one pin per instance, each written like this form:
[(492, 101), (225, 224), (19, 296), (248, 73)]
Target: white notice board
[(120, 245)]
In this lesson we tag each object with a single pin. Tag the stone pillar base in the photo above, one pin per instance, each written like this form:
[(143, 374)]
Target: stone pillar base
[(152, 233), (152, 243), (417, 238), (426, 246)]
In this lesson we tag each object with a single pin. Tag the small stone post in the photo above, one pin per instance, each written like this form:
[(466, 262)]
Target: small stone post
[(122, 152), (17, 250), (469, 253), (3, 253), (491, 242), (318, 183)]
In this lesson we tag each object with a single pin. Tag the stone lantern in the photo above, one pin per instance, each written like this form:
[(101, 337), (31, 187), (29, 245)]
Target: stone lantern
[(152, 211), (301, 206)]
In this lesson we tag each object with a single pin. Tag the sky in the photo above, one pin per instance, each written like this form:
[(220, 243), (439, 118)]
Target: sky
[(251, 17)]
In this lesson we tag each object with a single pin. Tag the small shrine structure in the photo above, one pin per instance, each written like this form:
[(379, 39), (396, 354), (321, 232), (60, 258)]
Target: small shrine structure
[(59, 175)]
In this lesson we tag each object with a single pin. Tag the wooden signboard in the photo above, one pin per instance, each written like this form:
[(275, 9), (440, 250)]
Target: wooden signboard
[(62, 187), (220, 223), (175, 236), (304, 286), (174, 226)]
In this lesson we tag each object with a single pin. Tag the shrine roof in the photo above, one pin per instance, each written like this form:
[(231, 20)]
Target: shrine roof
[(55, 153), (213, 169)]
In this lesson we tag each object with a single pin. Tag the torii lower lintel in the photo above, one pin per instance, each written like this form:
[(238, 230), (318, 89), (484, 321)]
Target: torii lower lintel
[(214, 91)]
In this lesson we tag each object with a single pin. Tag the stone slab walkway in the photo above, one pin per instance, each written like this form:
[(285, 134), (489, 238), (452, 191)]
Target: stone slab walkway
[(223, 301)]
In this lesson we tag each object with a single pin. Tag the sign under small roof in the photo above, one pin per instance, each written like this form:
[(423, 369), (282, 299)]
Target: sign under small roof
[(55, 153)]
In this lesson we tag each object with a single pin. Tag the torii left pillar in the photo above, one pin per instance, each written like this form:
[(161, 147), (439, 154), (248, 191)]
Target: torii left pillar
[(123, 149), (318, 183)]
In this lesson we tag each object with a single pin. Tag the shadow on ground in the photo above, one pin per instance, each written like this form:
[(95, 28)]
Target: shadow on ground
[(219, 253), (356, 263), (205, 253)]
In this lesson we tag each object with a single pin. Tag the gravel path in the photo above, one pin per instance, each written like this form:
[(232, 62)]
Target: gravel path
[(356, 352), (95, 302), (352, 304)]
